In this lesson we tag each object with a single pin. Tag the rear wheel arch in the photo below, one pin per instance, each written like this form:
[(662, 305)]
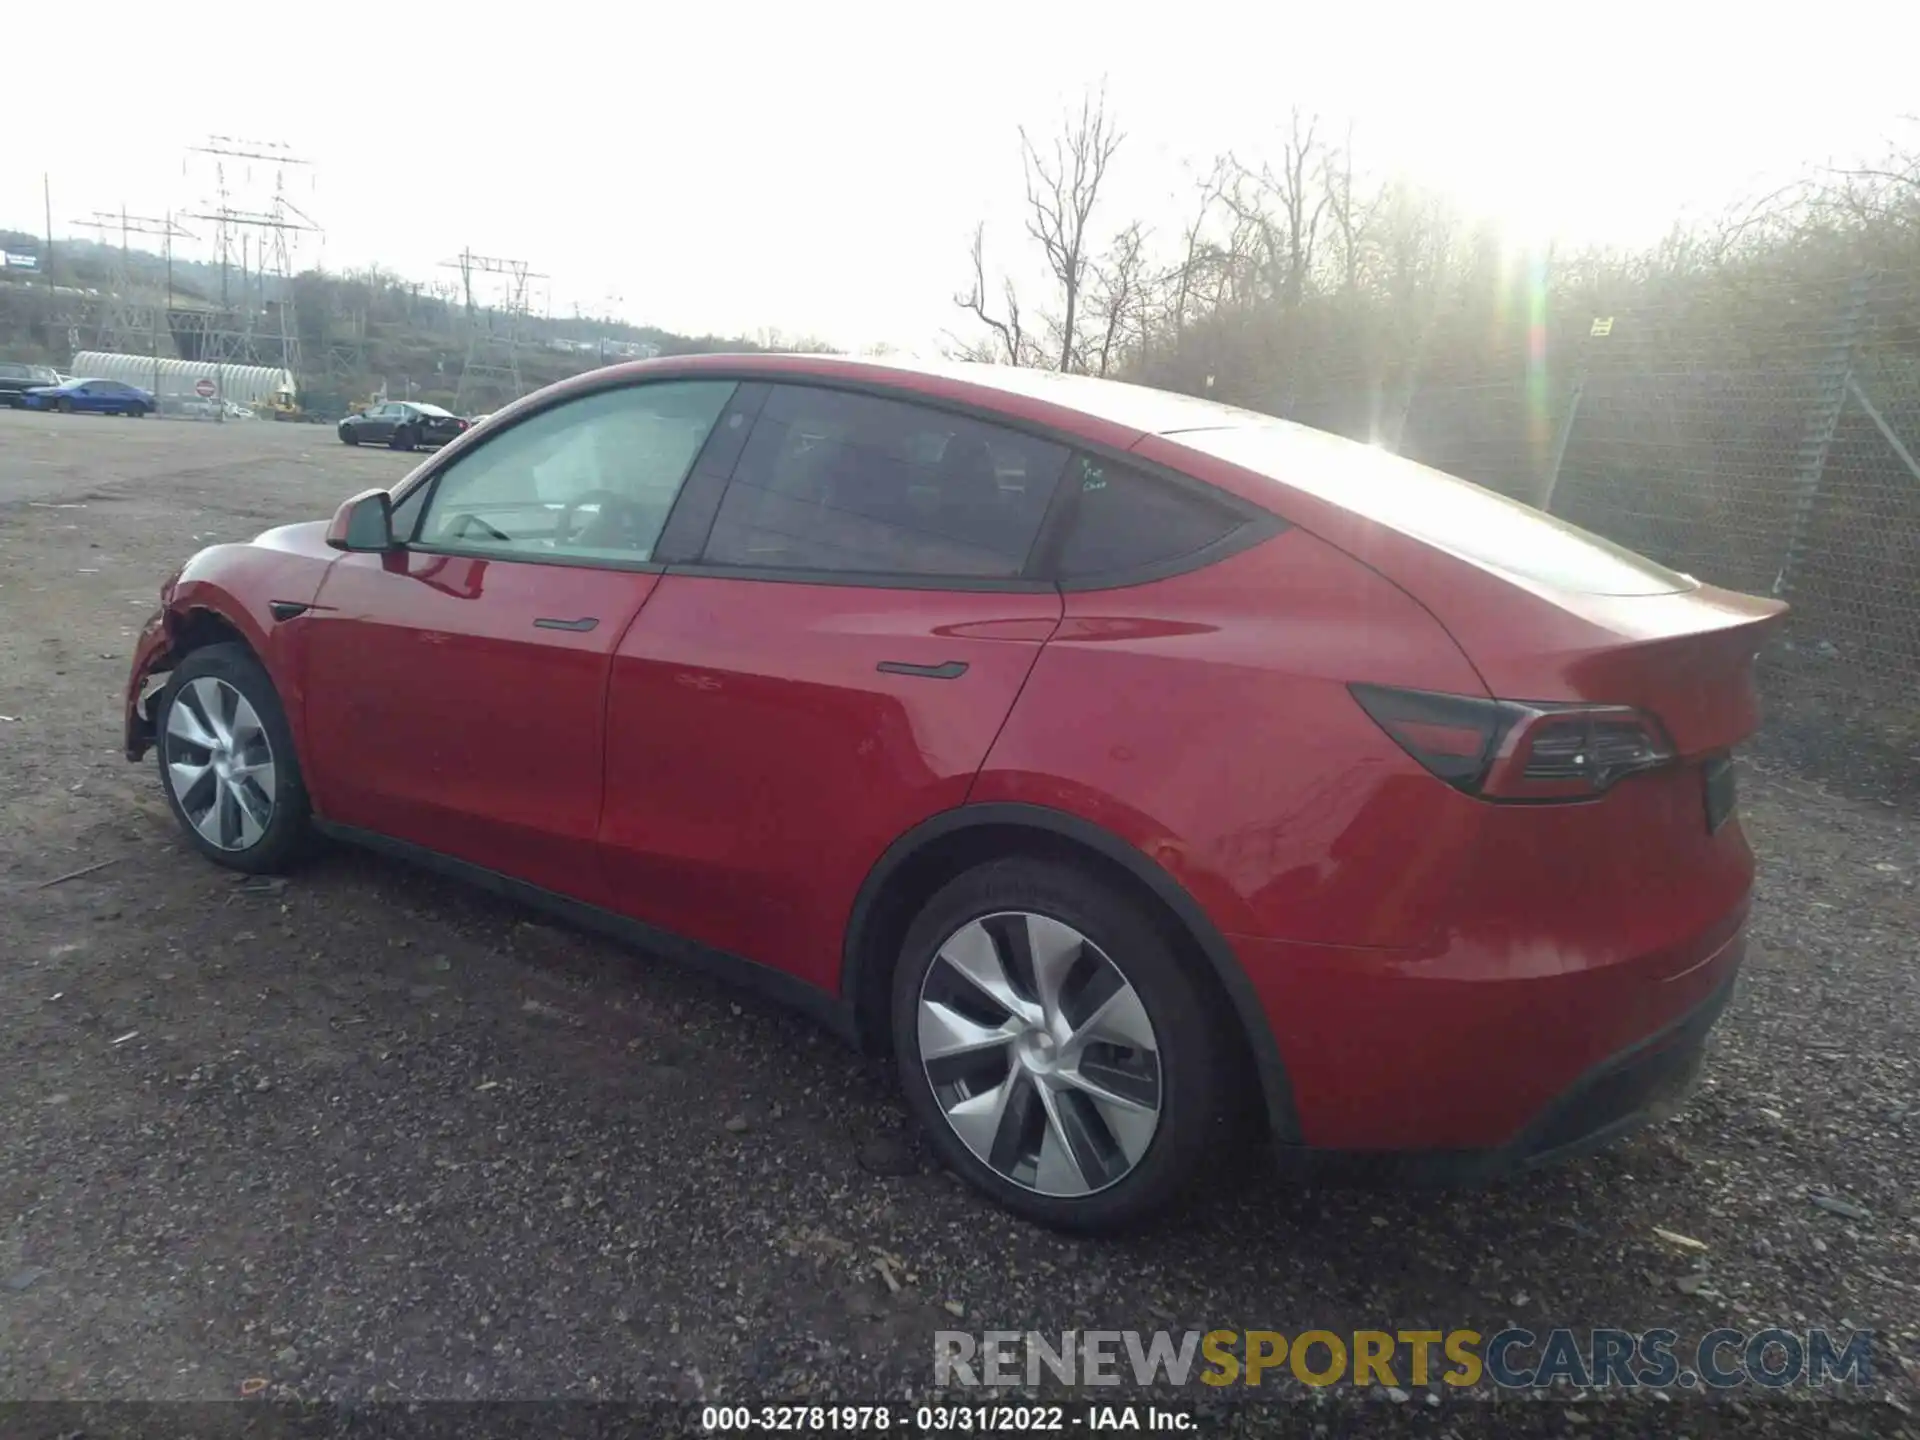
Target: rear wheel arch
[(923, 860)]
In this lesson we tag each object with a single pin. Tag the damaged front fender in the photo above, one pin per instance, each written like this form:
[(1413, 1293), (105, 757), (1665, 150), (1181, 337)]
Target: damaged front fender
[(152, 658)]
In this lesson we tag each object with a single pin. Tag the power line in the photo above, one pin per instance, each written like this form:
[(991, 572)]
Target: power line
[(492, 364), (130, 319)]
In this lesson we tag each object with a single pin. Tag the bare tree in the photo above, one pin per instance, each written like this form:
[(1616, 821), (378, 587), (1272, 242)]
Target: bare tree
[(1283, 207), (1118, 301), (1418, 240), (1063, 186), (1011, 341), (1199, 255), (1345, 213)]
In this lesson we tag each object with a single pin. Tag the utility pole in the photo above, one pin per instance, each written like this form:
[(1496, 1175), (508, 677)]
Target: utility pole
[(46, 195), (270, 228)]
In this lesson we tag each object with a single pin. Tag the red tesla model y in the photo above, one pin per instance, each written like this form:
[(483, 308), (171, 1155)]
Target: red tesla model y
[(1116, 761)]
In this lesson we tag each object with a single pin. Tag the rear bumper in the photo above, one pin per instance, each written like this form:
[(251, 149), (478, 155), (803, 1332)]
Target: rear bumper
[(1645, 1083), (1479, 1058)]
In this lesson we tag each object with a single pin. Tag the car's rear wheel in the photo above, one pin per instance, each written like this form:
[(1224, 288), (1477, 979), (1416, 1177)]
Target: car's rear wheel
[(227, 762), (1055, 1045), (404, 438)]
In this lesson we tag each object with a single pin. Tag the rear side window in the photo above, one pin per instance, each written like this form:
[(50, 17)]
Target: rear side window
[(833, 481), (1125, 519)]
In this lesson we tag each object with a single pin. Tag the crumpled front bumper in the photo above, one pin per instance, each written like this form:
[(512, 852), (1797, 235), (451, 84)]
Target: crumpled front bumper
[(151, 659)]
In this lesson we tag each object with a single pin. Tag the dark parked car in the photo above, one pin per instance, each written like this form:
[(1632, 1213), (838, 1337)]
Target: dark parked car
[(401, 424), (16, 378), (1113, 759), (97, 397)]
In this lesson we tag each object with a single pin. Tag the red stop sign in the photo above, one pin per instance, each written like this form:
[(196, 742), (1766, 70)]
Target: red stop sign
[(204, 389)]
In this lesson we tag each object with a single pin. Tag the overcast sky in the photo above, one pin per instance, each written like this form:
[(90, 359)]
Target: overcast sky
[(819, 167)]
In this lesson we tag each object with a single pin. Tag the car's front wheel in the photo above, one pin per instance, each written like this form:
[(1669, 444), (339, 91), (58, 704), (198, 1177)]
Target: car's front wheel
[(227, 762), (66, 406), (1055, 1045), (348, 436)]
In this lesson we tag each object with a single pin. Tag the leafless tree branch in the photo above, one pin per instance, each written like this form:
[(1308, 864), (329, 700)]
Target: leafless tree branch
[(1063, 186), (1011, 343)]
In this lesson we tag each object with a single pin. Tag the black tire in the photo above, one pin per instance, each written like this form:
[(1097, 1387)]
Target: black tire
[(404, 438), (289, 826), (348, 435), (65, 406), (1191, 1051)]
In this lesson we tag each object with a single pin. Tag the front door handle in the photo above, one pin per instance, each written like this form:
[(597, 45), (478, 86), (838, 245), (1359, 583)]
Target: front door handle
[(586, 622), (951, 670)]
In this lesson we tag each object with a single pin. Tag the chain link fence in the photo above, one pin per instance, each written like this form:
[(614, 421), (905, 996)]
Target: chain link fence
[(1763, 436)]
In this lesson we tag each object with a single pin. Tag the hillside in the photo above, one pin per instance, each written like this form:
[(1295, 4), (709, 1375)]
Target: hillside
[(356, 330)]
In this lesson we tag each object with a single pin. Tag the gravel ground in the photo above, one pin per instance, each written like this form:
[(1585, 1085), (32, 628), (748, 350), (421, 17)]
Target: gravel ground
[(368, 1135)]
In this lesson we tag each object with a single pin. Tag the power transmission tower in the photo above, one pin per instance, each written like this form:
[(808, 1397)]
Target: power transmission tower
[(495, 332), (254, 219), (133, 315)]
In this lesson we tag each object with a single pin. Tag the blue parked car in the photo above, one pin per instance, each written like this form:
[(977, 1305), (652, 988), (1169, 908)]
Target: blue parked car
[(105, 397)]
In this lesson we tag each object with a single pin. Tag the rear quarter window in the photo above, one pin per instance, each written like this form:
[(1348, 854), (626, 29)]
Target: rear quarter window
[(1442, 510), (1124, 519)]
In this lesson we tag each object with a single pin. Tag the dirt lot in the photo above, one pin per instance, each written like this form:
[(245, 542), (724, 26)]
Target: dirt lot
[(372, 1135)]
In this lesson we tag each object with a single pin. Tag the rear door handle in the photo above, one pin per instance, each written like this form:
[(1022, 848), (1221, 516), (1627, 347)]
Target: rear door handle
[(951, 670), (585, 623)]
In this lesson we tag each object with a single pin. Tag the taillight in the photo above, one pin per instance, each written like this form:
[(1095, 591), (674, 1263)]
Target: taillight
[(1454, 736), (1597, 747), (1514, 750)]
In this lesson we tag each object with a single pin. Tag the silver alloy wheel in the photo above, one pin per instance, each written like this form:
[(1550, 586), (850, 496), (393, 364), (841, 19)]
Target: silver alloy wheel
[(220, 763), (1040, 1054)]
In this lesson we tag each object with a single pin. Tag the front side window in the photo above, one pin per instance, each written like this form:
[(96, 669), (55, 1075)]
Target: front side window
[(835, 481), (590, 479)]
